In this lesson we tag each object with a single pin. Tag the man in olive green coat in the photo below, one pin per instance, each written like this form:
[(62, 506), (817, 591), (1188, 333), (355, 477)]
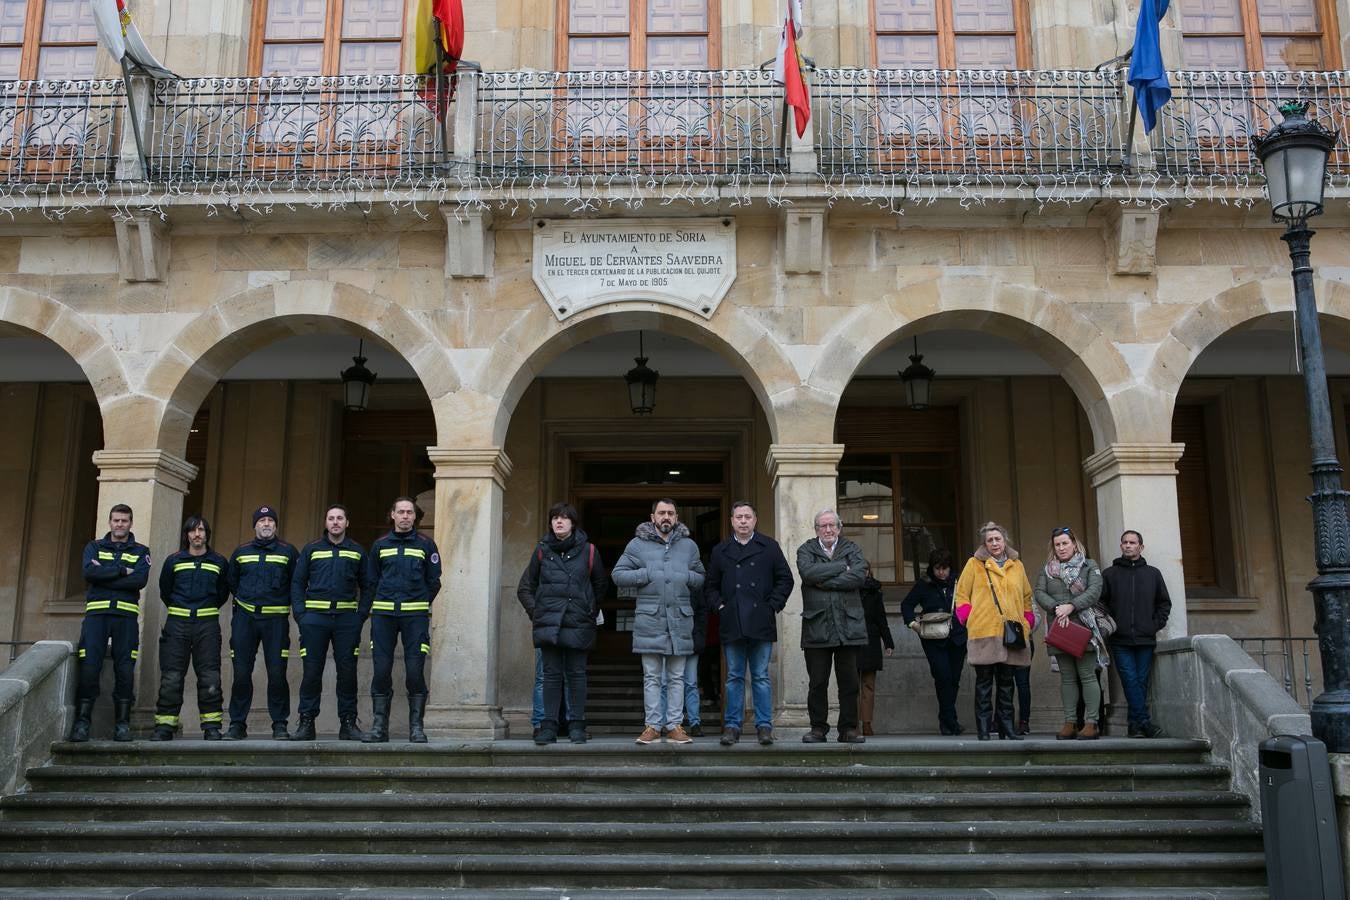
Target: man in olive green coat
[(832, 570)]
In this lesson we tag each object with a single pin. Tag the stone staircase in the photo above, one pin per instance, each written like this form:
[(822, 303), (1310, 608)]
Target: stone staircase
[(614, 699), (914, 817)]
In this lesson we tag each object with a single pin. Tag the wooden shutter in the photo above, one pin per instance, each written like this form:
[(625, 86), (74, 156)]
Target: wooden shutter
[(1194, 506)]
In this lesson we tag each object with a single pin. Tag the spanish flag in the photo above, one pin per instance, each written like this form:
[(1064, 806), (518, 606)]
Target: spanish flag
[(787, 69), (438, 46)]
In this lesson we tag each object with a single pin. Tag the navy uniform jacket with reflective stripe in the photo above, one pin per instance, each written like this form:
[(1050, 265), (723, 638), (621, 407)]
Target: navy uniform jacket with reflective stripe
[(115, 583), (193, 583), (404, 575), (328, 574), (259, 576)]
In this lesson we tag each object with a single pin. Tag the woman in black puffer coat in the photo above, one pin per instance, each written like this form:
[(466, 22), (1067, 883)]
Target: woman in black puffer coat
[(561, 591)]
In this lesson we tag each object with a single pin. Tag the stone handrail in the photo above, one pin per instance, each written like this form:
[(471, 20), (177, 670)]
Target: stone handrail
[(34, 708), (1205, 686)]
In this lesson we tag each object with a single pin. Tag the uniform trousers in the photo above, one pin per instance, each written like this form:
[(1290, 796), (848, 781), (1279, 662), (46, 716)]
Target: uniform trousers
[(415, 633), (247, 632), (319, 631), (184, 640), (125, 633)]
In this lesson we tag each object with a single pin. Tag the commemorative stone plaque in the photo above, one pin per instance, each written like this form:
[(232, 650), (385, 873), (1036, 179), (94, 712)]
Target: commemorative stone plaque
[(689, 263)]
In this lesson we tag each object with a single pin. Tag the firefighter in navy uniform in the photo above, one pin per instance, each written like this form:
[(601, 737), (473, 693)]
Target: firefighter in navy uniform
[(329, 576), (405, 575), (259, 575), (115, 569), (193, 587)]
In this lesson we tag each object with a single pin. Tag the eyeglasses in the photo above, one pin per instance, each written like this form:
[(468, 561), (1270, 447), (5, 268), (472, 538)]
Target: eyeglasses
[(1063, 529)]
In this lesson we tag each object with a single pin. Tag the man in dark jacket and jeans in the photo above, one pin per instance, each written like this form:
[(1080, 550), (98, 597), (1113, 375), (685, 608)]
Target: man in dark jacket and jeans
[(1136, 596), (748, 584)]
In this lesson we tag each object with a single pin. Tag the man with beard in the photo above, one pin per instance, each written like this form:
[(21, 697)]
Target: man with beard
[(193, 587), (328, 576), (561, 590), (115, 569), (663, 563), (260, 579)]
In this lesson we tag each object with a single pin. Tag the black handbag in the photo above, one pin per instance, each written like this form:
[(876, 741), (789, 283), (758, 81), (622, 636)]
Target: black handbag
[(1014, 635)]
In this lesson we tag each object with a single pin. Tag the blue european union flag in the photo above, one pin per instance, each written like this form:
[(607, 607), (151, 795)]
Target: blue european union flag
[(1147, 75)]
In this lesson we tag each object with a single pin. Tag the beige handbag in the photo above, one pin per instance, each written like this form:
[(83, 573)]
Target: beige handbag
[(934, 626)]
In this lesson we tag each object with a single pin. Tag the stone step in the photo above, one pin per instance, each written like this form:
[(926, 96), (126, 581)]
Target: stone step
[(839, 872), (682, 780), (811, 893), (327, 806), (688, 837)]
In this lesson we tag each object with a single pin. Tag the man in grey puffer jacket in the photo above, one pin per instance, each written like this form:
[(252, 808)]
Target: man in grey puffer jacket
[(662, 562)]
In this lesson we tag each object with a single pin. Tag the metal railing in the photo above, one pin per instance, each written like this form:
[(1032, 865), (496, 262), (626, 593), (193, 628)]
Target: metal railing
[(1288, 660), (643, 123), (1206, 129), (16, 648), (969, 122), (295, 129), (59, 131)]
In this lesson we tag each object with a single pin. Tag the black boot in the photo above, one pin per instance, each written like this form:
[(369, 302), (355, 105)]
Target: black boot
[(984, 707), (305, 730), (122, 720), (417, 710), (1007, 730), (162, 733), (79, 729), (348, 729), (379, 720)]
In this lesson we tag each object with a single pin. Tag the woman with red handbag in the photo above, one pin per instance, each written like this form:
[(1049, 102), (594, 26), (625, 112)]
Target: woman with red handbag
[(1069, 588)]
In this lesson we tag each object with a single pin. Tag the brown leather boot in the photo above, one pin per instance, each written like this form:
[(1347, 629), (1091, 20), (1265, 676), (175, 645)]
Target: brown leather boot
[(867, 729), (1089, 732), (1068, 732)]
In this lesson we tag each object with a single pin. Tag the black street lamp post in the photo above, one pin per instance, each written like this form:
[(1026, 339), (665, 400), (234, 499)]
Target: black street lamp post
[(1294, 155)]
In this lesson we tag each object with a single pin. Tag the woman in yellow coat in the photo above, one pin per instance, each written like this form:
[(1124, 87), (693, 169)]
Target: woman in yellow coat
[(992, 589)]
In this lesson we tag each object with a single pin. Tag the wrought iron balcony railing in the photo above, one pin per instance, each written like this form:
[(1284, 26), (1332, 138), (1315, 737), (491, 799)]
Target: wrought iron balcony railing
[(58, 132), (1205, 131), (629, 123), (905, 123)]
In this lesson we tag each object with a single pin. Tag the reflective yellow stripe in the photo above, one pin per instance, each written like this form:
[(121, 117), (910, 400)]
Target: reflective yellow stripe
[(285, 654), (231, 653), (104, 554), (128, 607), (304, 651), (180, 611), (274, 558), (318, 604), (81, 653), (248, 606), (166, 720), (211, 567), (417, 607), (98, 604), (252, 557), (182, 567), (209, 718), (209, 611), (383, 604), (349, 554), (135, 654), (131, 558), (320, 554), (413, 551), (388, 551), (348, 604), (426, 648), (356, 651), (275, 610)]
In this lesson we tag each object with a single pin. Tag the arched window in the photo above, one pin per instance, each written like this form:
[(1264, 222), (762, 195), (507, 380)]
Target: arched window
[(950, 34), (1257, 34), (49, 39), (637, 34), (328, 37)]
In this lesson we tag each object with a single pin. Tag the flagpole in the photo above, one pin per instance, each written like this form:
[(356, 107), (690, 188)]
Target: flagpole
[(442, 100), (1129, 137), (135, 119)]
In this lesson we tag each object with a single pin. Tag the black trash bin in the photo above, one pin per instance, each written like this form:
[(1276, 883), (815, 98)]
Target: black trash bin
[(1298, 820)]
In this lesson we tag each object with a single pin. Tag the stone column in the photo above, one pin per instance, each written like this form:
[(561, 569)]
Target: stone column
[(803, 484), (1136, 488), (464, 619), (153, 483)]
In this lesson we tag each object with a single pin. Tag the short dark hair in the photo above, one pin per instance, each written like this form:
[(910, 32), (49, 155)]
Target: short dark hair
[(332, 506), (939, 559), (565, 510), (737, 504), (417, 510), (190, 524), (1133, 532), (657, 502), (119, 508)]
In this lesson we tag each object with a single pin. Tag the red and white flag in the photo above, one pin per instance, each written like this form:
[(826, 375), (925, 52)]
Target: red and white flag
[(118, 34), (787, 69)]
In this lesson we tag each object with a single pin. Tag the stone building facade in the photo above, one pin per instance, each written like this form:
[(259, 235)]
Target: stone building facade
[(1109, 317)]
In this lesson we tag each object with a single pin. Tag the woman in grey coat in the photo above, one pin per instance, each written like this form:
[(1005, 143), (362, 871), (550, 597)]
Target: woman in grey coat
[(663, 563), (1069, 587)]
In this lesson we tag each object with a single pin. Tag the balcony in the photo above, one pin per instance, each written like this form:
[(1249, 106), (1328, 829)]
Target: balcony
[(876, 134)]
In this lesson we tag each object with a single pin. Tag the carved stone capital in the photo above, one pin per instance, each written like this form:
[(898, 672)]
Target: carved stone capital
[(803, 226), (1132, 459), (145, 465), (469, 241), (142, 247), (794, 460), (478, 462), (1134, 240)]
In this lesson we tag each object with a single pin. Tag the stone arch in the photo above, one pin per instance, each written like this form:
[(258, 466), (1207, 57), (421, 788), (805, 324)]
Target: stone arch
[(537, 338), (1063, 337), (207, 347), (51, 319)]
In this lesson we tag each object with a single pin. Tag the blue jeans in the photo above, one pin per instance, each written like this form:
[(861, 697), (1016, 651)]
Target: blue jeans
[(755, 654), (691, 695), (537, 717), (1134, 664)]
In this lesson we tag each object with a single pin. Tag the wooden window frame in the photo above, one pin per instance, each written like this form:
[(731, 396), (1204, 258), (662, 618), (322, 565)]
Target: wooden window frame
[(30, 48), (637, 34), (947, 35), (1252, 34), (332, 38)]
